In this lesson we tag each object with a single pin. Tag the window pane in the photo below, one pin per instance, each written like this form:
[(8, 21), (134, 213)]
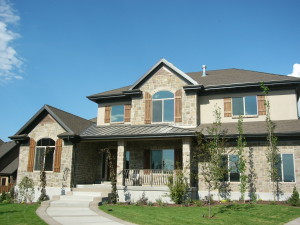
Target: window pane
[(168, 159), (127, 154), (250, 105), (156, 159), (233, 168), (224, 167), (49, 159), (157, 111), (46, 142), (278, 167), (288, 167), (168, 110), (39, 158), (163, 94), (237, 106), (117, 113)]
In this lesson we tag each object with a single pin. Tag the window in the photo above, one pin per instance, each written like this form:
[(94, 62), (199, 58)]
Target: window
[(44, 154), (163, 107), (162, 159), (285, 168), (117, 113), (230, 166), (244, 106), (127, 158)]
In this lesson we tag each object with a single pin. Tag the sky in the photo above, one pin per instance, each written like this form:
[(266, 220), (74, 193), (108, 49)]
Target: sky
[(57, 52)]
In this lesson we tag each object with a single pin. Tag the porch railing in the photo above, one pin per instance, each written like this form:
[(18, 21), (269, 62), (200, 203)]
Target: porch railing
[(6, 188), (139, 177)]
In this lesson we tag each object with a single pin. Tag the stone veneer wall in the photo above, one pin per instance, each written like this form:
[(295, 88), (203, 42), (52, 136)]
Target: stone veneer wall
[(164, 79), (47, 128), (262, 183)]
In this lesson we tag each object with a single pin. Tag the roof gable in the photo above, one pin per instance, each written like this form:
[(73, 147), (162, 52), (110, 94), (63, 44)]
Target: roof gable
[(163, 62)]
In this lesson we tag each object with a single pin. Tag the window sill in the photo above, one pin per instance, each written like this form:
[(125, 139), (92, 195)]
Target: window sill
[(245, 116)]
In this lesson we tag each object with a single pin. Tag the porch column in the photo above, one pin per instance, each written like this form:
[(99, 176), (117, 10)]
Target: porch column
[(186, 158), (120, 161)]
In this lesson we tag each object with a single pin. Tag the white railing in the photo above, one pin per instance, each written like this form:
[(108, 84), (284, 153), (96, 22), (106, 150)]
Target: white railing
[(139, 177)]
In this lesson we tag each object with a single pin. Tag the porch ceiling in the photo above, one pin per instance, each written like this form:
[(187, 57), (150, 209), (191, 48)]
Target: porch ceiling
[(134, 131)]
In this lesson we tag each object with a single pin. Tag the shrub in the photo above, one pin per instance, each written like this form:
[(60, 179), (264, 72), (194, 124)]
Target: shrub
[(160, 202), (142, 200), (26, 190), (294, 199), (5, 197), (178, 188), (198, 203)]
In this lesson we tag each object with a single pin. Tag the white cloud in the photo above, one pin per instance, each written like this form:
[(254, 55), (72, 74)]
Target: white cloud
[(296, 70), (10, 61)]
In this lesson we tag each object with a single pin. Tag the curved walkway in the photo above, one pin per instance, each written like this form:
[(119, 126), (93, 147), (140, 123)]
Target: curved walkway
[(75, 210)]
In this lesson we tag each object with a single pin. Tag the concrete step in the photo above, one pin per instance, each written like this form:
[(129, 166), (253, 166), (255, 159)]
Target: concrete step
[(69, 203), (87, 193), (77, 197)]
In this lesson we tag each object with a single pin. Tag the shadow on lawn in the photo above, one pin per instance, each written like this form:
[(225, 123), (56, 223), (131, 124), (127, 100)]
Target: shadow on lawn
[(235, 207), (6, 212)]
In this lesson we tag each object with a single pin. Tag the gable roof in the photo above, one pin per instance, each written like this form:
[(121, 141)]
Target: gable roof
[(237, 76), (6, 147), (71, 123)]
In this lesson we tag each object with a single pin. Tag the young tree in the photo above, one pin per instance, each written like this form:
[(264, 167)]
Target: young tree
[(209, 152), (273, 151), (43, 178), (241, 144)]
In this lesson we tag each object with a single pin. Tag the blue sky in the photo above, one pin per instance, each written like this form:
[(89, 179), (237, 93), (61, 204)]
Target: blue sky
[(57, 52)]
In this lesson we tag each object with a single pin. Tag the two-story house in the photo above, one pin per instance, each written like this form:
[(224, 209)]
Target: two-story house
[(149, 127)]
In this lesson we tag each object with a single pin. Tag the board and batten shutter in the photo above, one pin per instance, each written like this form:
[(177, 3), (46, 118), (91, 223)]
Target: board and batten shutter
[(261, 105), (178, 106), (148, 102), (57, 159), (31, 155), (127, 113), (107, 114), (227, 107)]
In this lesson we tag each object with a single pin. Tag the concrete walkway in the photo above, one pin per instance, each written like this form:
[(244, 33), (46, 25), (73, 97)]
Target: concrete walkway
[(76, 209), (294, 222)]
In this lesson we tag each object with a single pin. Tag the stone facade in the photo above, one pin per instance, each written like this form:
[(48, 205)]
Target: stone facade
[(256, 153)]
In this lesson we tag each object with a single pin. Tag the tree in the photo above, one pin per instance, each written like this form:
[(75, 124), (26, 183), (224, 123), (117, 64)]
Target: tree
[(273, 151), (26, 190), (43, 178), (241, 144), (209, 152)]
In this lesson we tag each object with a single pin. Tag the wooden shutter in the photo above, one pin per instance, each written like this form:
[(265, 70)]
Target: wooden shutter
[(148, 102), (227, 107), (57, 159), (31, 155), (107, 114), (261, 105), (127, 113), (178, 158), (178, 106)]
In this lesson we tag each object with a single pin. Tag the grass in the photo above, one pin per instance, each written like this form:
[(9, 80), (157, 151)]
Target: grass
[(19, 214), (223, 214)]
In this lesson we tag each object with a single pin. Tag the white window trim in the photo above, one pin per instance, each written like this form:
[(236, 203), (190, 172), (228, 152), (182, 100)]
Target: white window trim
[(244, 107), (163, 107), (281, 168), (228, 167), (44, 157), (123, 114)]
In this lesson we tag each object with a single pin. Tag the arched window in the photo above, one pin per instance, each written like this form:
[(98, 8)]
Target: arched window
[(44, 154), (163, 107)]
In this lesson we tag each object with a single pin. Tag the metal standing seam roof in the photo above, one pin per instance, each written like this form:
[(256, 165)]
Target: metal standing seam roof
[(124, 131)]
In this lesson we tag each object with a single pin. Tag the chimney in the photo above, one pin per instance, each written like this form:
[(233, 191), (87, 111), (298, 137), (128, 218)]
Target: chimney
[(203, 71)]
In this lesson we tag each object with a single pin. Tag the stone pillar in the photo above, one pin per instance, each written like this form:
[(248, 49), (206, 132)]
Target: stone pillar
[(120, 161), (186, 158)]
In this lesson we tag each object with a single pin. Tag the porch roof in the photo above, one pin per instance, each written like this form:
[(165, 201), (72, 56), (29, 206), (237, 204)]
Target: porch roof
[(10, 168), (135, 131)]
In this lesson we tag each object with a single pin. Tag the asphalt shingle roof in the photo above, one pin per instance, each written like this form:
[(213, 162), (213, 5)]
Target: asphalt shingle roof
[(6, 147), (124, 131), (11, 168)]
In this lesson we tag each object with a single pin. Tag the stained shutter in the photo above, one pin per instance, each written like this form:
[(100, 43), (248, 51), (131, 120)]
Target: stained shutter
[(178, 158), (148, 102), (178, 106), (57, 160), (31, 155), (127, 113), (261, 105), (107, 114), (227, 107)]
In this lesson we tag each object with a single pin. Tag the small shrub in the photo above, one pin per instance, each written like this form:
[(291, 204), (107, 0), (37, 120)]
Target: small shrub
[(199, 203), (224, 200), (178, 187), (294, 199), (142, 200), (149, 203), (160, 202), (26, 190), (253, 197)]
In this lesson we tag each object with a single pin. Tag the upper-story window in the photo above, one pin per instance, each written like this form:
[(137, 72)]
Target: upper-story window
[(163, 107), (44, 154), (244, 105), (117, 113)]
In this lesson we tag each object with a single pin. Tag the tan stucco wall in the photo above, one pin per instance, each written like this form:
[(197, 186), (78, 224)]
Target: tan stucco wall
[(163, 79), (47, 128), (283, 106)]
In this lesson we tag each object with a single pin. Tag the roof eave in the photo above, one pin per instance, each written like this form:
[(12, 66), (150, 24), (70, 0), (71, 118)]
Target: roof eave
[(124, 94)]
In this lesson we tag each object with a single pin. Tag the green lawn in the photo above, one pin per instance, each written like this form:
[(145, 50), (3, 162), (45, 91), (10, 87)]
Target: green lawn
[(19, 214), (224, 214)]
